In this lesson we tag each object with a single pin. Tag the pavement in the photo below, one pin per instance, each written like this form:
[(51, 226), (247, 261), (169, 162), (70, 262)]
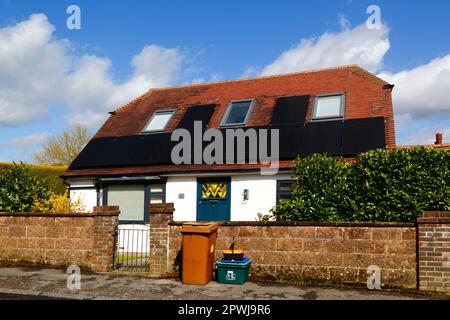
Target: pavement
[(39, 283)]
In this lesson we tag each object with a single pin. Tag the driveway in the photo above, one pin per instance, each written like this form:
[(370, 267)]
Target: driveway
[(51, 283)]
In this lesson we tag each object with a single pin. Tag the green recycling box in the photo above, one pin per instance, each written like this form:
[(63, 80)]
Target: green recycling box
[(233, 272)]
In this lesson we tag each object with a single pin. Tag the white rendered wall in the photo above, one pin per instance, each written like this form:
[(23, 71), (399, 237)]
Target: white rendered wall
[(186, 208), (85, 192), (262, 196)]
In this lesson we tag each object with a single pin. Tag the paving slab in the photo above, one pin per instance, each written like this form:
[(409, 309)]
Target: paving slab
[(52, 283)]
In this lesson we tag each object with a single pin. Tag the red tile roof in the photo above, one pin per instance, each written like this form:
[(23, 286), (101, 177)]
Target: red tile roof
[(366, 96), (358, 84)]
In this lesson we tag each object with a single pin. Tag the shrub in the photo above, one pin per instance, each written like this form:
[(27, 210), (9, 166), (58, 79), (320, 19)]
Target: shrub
[(59, 203), (381, 185), (322, 192), (20, 187), (396, 185), (50, 173)]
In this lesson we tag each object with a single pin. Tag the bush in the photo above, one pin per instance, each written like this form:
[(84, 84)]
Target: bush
[(59, 203), (50, 173), (20, 187), (396, 185), (381, 185)]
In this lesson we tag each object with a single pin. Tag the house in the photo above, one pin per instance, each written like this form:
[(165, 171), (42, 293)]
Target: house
[(129, 162)]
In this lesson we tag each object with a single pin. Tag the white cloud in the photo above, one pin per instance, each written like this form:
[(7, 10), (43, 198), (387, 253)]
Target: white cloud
[(420, 93), (424, 90), (37, 70), (34, 140), (420, 132), (350, 46), (32, 64)]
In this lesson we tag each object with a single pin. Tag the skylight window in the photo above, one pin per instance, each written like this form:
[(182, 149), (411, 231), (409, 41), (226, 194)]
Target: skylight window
[(329, 107), (159, 121), (237, 113)]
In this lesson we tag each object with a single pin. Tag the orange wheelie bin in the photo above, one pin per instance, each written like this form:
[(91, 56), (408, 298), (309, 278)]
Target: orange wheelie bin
[(199, 245)]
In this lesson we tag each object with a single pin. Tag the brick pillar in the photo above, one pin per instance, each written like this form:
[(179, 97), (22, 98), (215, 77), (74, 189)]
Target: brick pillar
[(105, 225), (434, 251), (160, 217)]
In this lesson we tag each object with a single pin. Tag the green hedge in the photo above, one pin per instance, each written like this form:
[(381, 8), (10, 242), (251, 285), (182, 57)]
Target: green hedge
[(51, 173), (20, 188), (381, 185)]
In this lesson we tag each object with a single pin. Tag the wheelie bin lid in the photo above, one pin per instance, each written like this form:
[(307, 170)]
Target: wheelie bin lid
[(199, 227)]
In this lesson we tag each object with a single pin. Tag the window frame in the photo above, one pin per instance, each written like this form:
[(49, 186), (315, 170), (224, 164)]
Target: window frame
[(227, 113), (171, 111), (147, 196), (279, 192), (329, 118)]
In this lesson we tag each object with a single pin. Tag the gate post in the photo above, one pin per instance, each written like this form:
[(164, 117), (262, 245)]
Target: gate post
[(160, 217), (434, 251), (104, 227)]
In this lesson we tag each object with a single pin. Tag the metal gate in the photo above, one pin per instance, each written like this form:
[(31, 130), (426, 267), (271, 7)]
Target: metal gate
[(132, 251)]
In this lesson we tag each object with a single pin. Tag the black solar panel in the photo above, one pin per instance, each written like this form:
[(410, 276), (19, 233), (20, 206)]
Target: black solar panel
[(322, 137), (290, 110), (362, 135), (197, 113), (333, 137)]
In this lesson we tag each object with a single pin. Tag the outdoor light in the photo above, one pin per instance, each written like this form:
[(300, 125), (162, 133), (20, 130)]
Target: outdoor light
[(245, 194)]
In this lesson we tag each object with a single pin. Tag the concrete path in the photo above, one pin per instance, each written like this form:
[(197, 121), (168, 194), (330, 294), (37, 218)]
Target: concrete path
[(51, 283)]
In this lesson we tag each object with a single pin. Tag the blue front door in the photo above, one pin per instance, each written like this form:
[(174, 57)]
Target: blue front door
[(213, 199)]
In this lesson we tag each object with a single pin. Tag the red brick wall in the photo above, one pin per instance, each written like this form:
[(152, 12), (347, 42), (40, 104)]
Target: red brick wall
[(434, 251), (86, 240), (339, 253)]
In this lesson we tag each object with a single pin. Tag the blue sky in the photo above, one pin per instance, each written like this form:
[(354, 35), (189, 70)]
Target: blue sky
[(52, 77)]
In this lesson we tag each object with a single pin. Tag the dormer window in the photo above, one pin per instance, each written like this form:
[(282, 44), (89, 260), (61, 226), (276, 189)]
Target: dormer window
[(329, 107), (159, 121), (237, 113)]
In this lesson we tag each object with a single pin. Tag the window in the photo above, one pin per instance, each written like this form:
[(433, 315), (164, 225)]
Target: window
[(130, 199), (157, 193), (329, 107), (237, 113), (159, 121), (284, 190)]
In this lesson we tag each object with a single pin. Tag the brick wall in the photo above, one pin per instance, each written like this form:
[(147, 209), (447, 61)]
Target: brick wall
[(319, 252), (86, 240), (160, 217), (434, 251)]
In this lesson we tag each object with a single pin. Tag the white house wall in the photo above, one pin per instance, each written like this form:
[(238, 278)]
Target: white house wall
[(185, 208), (262, 196), (182, 192), (86, 197)]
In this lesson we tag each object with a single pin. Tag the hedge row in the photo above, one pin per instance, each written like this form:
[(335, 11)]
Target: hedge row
[(50, 173), (381, 185)]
